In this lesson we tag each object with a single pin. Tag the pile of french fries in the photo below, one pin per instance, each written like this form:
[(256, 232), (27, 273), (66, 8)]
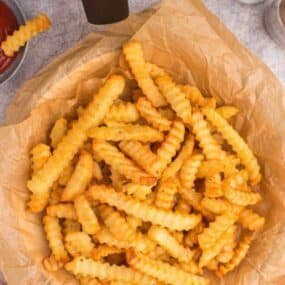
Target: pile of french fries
[(153, 190)]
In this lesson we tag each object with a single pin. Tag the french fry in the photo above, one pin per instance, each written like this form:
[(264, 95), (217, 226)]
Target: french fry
[(58, 131), (78, 244), (227, 112), (55, 194), (123, 112), (70, 226), (172, 220), (186, 151), (151, 115), (66, 174), (139, 191), (91, 281), (239, 254), (126, 132), (117, 160), (142, 155), (55, 239), (70, 144), (165, 195), (191, 237), (154, 70), (210, 147), (118, 180), (104, 271), (102, 251), (97, 172), (171, 144), (66, 211), (24, 34), (213, 186), (251, 220), (50, 264), (134, 56), (167, 113), (39, 156), (175, 97), (238, 144), (183, 206), (163, 271), (86, 215), (194, 95), (169, 243), (134, 222), (217, 206), (189, 170), (80, 178)]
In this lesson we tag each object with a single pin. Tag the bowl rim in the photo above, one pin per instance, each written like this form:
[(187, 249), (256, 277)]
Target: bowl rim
[(24, 49)]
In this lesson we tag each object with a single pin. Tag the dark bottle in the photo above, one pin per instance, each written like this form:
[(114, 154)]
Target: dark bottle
[(102, 12)]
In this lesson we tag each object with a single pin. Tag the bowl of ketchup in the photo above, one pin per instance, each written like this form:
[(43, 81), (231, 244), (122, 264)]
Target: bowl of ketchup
[(11, 17)]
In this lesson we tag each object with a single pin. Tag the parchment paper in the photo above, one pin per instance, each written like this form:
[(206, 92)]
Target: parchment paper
[(195, 47)]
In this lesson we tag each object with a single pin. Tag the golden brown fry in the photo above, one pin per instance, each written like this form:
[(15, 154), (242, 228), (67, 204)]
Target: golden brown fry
[(55, 239), (126, 132), (118, 180), (134, 55), (210, 147), (163, 271), (50, 264), (61, 210), (70, 144), (78, 244), (138, 191), (134, 222), (167, 113), (71, 226), (58, 131), (165, 195), (151, 115), (171, 144), (121, 163), (123, 112), (183, 206), (80, 178), (175, 97), (97, 172), (194, 95), (91, 268), (154, 70), (191, 237), (174, 167), (38, 202), (169, 243), (217, 206), (24, 34), (103, 250), (213, 186), (227, 112), (39, 156), (239, 255), (189, 170), (142, 155), (66, 174), (55, 194), (238, 144), (251, 220), (86, 215), (172, 220)]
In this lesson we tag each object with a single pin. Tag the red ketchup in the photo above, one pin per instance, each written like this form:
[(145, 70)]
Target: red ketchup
[(8, 24)]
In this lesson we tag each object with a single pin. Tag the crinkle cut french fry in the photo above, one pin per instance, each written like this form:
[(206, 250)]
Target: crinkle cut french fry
[(227, 111), (103, 250), (151, 115), (120, 228), (25, 33), (251, 220), (239, 254), (211, 234), (210, 147), (38, 202), (86, 215), (174, 167), (61, 210), (139, 191), (213, 186), (172, 220), (91, 268), (171, 144), (134, 55), (54, 238), (123, 112), (126, 132), (70, 144), (216, 205), (154, 70), (78, 243), (58, 131), (194, 95), (175, 97), (238, 144), (169, 243), (66, 174), (189, 170), (39, 156), (191, 237), (80, 178), (183, 206), (142, 155), (163, 271), (165, 195), (97, 172), (50, 264), (117, 160)]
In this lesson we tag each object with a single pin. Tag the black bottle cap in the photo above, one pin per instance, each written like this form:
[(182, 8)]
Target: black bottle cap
[(102, 12)]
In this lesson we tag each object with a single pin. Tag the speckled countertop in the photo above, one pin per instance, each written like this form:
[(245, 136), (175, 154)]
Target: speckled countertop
[(70, 25)]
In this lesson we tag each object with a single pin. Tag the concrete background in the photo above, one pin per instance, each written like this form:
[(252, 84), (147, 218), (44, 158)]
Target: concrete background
[(70, 25)]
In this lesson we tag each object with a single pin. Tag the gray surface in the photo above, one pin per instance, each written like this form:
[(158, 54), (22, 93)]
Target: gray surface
[(70, 25)]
